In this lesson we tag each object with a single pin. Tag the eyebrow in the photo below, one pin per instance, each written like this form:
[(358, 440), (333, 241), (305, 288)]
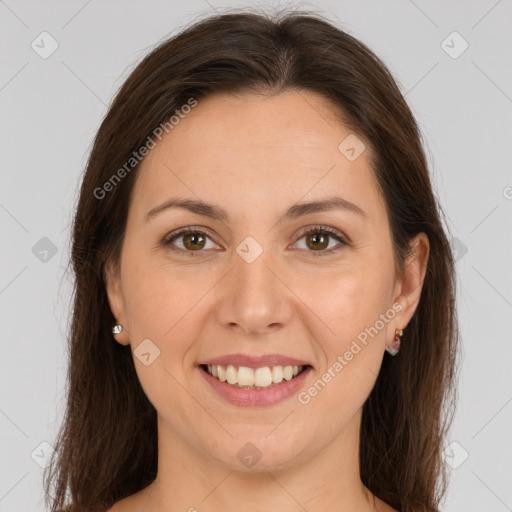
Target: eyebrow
[(298, 210)]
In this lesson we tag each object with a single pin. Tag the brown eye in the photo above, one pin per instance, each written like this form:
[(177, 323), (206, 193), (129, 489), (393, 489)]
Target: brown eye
[(189, 241), (194, 241), (317, 241)]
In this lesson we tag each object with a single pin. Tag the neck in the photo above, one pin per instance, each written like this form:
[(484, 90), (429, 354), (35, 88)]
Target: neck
[(189, 480)]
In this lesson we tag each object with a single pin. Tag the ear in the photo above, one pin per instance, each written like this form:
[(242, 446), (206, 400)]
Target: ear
[(408, 287), (112, 279)]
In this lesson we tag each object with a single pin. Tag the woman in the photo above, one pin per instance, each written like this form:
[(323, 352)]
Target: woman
[(264, 307)]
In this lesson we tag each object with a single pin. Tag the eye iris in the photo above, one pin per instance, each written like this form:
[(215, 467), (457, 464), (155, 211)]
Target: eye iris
[(316, 237), (187, 237)]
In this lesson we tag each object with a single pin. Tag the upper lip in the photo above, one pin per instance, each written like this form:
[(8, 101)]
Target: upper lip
[(255, 361)]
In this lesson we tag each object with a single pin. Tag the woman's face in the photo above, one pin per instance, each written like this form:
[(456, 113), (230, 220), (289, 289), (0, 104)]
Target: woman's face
[(251, 281)]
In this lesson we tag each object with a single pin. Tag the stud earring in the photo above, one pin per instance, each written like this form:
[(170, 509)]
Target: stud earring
[(393, 350), (117, 329)]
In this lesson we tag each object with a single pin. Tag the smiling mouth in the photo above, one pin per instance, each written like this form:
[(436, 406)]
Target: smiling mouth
[(253, 378)]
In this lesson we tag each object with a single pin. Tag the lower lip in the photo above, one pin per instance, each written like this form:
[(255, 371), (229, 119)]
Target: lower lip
[(257, 397)]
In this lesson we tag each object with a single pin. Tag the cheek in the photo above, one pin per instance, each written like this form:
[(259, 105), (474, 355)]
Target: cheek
[(350, 358), (148, 303), (166, 303), (162, 306), (347, 299), (349, 302)]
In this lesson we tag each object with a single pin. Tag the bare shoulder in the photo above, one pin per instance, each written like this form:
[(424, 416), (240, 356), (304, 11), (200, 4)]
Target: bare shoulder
[(120, 506), (124, 505), (131, 503), (382, 506)]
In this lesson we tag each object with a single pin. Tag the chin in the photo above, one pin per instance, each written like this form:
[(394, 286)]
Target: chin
[(259, 454)]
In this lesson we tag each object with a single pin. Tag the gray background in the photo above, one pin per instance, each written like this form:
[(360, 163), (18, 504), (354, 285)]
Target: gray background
[(51, 108)]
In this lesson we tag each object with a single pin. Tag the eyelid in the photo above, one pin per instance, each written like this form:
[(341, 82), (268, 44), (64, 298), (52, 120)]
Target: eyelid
[(187, 230), (332, 232), (324, 229), (329, 231), (166, 242)]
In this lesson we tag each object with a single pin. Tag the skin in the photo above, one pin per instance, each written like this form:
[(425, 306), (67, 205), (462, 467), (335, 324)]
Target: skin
[(255, 156)]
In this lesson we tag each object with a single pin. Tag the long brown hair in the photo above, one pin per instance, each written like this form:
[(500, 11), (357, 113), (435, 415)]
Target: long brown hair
[(107, 445)]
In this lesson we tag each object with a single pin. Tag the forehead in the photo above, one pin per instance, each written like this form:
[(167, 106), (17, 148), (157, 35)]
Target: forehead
[(260, 148)]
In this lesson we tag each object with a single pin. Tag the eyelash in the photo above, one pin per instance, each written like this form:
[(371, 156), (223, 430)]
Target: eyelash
[(323, 230)]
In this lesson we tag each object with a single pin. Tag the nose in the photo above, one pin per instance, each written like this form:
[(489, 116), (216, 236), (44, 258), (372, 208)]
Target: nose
[(253, 298)]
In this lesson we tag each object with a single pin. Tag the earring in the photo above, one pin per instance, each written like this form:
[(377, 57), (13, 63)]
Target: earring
[(393, 350), (117, 329)]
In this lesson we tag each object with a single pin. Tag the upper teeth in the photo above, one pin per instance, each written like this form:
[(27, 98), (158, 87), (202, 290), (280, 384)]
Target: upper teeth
[(259, 377)]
